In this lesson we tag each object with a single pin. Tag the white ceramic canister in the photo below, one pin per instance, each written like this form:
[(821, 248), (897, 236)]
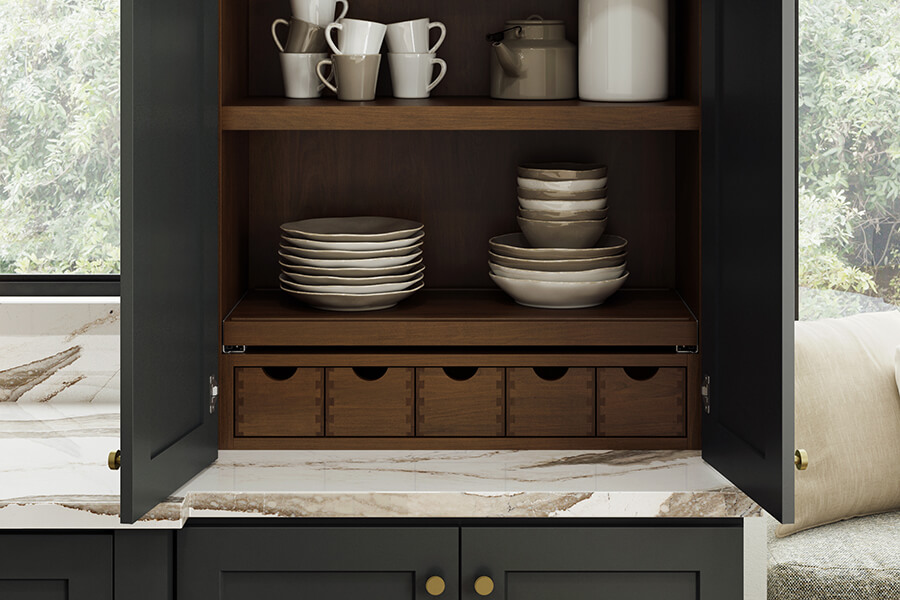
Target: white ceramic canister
[(623, 50)]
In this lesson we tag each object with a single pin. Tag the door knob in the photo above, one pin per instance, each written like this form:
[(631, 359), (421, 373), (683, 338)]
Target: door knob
[(114, 460), (801, 460), (484, 585), (435, 585)]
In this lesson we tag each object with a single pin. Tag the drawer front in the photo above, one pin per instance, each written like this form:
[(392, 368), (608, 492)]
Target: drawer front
[(460, 402), (641, 402), (586, 563), (338, 563), (550, 402), (369, 402), (278, 402)]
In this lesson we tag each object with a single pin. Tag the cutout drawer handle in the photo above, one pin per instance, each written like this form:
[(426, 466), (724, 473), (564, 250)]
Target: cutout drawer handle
[(370, 373)]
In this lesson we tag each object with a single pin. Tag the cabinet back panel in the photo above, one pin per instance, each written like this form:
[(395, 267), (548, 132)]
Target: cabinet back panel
[(465, 49), (462, 185)]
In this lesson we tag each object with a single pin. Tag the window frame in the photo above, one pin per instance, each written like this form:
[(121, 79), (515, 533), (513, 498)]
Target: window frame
[(60, 285)]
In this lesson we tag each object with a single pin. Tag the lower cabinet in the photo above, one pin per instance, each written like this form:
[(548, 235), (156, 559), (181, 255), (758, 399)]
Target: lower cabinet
[(48, 566)]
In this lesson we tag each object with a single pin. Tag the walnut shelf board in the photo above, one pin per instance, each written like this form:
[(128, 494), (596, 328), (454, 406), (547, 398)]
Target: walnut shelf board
[(464, 318), (458, 113)]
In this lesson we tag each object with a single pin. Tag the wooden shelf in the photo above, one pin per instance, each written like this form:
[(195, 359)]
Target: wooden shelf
[(441, 318), (457, 113)]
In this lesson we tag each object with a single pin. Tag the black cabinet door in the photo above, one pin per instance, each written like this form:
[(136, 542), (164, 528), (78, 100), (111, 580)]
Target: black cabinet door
[(42, 566), (586, 563), (749, 249), (309, 563), (169, 246)]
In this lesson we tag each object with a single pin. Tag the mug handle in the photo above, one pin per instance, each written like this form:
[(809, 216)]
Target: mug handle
[(440, 41), (328, 30), (324, 80), (343, 12), (440, 62), (275, 25), (329, 78)]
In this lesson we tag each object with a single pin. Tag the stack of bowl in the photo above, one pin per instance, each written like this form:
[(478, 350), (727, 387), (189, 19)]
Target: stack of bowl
[(561, 259), (352, 263)]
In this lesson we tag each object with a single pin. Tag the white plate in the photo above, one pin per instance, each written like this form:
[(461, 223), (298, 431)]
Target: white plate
[(349, 289), (353, 302), (603, 274), (558, 294), (560, 205), (351, 254), (515, 245), (360, 281), (572, 185), (558, 265), (353, 229), (360, 263), (351, 271), (385, 245)]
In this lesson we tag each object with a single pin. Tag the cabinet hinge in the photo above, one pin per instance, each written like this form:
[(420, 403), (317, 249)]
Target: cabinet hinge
[(704, 394), (234, 349), (213, 394), (687, 349)]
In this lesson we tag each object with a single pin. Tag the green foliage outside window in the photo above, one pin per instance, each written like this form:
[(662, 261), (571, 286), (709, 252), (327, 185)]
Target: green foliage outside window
[(849, 148), (59, 136)]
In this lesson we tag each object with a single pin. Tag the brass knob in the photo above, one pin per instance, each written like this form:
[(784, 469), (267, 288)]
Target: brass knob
[(801, 460), (484, 585), (115, 460), (435, 586)]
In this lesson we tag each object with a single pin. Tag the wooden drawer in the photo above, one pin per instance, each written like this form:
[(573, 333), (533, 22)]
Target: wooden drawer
[(278, 402), (550, 402), (641, 402), (459, 401), (369, 402)]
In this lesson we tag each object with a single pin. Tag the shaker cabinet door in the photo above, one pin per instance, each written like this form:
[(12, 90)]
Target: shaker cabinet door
[(43, 566), (169, 246), (586, 563), (338, 563), (749, 248)]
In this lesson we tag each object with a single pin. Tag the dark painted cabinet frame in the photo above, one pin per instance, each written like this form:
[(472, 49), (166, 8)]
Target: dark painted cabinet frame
[(170, 220)]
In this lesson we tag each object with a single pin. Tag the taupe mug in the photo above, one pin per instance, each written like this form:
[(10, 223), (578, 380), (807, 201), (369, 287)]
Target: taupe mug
[(303, 37), (355, 75)]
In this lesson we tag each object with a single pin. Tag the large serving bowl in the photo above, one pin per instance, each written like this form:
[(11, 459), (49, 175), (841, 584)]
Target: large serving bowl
[(574, 185), (349, 289), (558, 294), (347, 254), (413, 240), (404, 269), (330, 280), (603, 274), (517, 246), (562, 205), (562, 234), (563, 215), (353, 302), (562, 171), (558, 265), (352, 229)]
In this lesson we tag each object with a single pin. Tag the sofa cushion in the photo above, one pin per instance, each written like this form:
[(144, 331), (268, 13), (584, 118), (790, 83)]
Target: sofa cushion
[(847, 418), (857, 559)]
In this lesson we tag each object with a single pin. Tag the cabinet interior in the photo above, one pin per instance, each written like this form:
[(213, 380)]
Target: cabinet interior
[(450, 162)]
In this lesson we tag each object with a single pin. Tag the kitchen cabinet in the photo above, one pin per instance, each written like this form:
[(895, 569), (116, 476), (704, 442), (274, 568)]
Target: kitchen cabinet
[(703, 185), (49, 566)]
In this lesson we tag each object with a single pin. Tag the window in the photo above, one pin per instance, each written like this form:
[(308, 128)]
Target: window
[(59, 140), (849, 157)]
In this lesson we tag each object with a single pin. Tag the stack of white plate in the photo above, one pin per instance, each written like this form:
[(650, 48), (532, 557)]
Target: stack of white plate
[(562, 205), (558, 277), (352, 263)]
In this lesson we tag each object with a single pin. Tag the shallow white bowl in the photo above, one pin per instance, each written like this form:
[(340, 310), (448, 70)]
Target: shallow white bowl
[(369, 263), (563, 215), (361, 281), (558, 294), (357, 246), (562, 234), (352, 229), (559, 265), (516, 245), (572, 185), (351, 271), (351, 254), (353, 302), (559, 205), (551, 195), (349, 289), (603, 274)]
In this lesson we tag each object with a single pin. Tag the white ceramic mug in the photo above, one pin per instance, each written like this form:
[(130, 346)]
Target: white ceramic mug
[(319, 12), (411, 74), (299, 72), (356, 37), (355, 75), (413, 36)]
